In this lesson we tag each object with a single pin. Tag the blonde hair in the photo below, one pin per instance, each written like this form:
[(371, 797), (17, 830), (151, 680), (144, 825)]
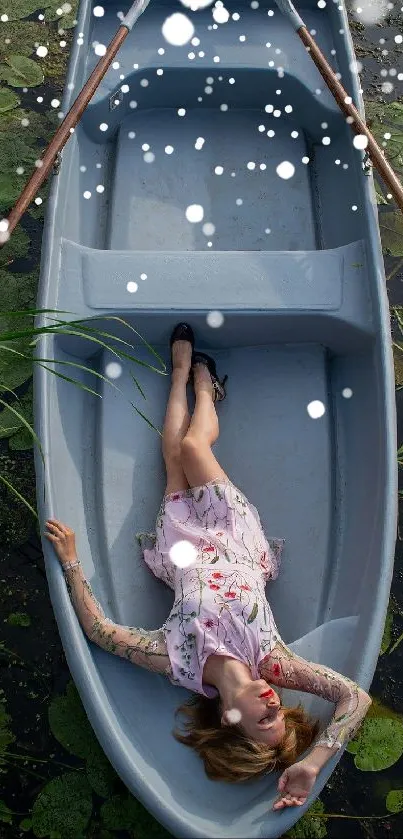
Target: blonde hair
[(231, 755)]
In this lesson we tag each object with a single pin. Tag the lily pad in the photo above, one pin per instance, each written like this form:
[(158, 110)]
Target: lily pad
[(378, 709), (100, 773), (387, 118), (387, 631), (398, 365), (308, 827), (378, 745), (16, 248), (69, 723), (6, 736), (391, 227), (8, 100), (22, 36), (19, 619), (124, 812), (20, 71), (17, 9), (63, 808), (394, 801), (6, 815), (14, 371)]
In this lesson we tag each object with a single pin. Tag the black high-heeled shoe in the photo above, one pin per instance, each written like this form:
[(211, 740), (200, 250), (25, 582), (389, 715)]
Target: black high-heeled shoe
[(219, 392), (182, 332)]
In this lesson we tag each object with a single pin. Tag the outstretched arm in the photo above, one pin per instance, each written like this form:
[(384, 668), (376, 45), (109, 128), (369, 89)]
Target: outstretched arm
[(284, 668), (144, 647)]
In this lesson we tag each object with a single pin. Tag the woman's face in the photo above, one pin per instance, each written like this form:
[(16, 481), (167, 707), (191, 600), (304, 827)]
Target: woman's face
[(261, 716)]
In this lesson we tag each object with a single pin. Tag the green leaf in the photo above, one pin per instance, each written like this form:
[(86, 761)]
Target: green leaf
[(253, 613), (397, 349), (16, 248), (8, 100), (380, 198), (10, 188), (19, 619), (25, 824), (391, 227), (378, 744), (20, 71), (69, 723), (378, 709), (100, 773), (387, 632), (308, 827), (14, 371), (124, 812), (22, 35), (6, 737), (6, 815), (17, 9), (394, 801), (63, 808)]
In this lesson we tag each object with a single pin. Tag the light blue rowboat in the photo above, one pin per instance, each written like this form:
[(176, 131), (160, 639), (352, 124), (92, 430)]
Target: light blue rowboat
[(308, 430)]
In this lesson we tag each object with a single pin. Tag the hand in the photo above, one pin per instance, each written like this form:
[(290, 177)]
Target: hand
[(295, 785), (63, 539)]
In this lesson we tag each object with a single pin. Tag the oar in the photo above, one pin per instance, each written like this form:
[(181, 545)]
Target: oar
[(70, 121), (344, 101)]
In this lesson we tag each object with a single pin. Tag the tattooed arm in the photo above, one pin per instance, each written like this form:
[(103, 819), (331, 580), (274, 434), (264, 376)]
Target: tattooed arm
[(284, 668), (144, 647)]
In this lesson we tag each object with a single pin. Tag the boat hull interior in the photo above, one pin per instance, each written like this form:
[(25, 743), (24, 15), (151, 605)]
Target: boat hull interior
[(307, 429)]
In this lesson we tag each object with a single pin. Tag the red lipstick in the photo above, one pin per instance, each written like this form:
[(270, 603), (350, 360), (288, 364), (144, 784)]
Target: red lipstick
[(266, 693)]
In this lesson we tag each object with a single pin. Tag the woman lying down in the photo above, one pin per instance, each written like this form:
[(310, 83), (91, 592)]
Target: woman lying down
[(220, 639)]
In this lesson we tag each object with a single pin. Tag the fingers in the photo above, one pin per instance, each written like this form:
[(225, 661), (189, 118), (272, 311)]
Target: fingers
[(289, 801)]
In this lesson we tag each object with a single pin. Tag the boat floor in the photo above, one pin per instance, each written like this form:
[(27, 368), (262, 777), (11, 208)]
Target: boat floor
[(269, 446)]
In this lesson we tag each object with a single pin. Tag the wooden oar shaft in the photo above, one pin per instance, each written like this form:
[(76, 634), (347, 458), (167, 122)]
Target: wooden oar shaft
[(358, 125), (63, 132)]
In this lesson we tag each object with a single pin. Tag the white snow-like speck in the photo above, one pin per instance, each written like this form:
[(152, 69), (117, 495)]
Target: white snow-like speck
[(100, 188), (98, 11), (183, 554), (87, 194), (177, 29), (194, 213), (220, 14), (285, 170), (100, 49), (42, 51), (347, 392), (103, 126), (233, 716), (316, 409), (360, 141), (215, 319)]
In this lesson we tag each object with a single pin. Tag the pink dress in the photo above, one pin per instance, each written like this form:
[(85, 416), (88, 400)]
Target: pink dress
[(220, 603)]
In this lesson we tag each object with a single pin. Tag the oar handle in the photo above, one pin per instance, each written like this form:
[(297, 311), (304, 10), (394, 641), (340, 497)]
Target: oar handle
[(358, 125), (71, 119)]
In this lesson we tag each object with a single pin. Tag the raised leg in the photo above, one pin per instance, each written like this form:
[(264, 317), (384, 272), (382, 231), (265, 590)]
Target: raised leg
[(198, 461), (177, 417)]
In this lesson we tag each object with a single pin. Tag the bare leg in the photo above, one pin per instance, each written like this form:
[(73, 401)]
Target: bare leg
[(177, 417), (198, 462)]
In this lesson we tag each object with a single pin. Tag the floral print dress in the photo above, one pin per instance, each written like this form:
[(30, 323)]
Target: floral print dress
[(220, 604)]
